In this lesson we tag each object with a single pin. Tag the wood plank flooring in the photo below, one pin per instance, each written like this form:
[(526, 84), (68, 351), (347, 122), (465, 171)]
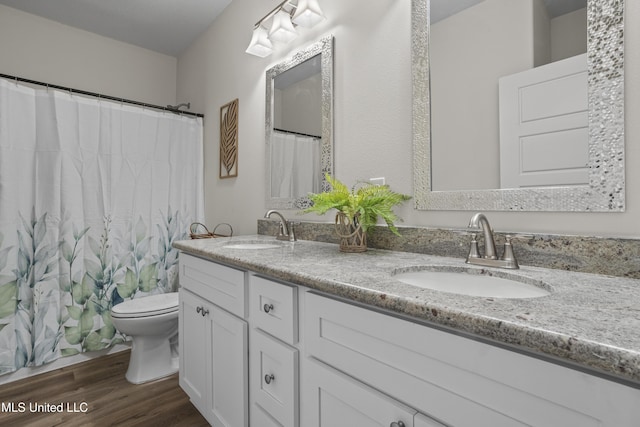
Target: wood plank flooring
[(97, 387)]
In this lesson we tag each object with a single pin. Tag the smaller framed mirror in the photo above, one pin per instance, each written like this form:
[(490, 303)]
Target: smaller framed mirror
[(299, 126)]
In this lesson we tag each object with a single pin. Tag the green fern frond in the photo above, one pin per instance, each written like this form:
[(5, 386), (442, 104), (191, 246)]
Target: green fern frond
[(367, 202)]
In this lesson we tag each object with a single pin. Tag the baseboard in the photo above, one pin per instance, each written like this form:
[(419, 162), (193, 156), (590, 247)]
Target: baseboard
[(61, 363)]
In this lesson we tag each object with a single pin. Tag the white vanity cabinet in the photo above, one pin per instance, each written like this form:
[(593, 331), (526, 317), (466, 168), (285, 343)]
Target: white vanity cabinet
[(213, 338), (456, 380), (259, 352)]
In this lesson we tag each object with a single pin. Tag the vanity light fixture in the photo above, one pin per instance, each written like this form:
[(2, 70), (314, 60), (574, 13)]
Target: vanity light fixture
[(282, 29), (308, 13), (284, 19), (260, 44)]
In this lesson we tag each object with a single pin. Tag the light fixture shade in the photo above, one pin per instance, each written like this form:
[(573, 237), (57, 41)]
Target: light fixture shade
[(282, 29), (260, 45), (308, 13)]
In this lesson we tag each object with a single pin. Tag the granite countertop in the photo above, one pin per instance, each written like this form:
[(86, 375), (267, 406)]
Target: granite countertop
[(588, 320)]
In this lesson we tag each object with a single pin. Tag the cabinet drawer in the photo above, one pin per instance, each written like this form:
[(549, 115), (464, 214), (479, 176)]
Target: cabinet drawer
[(334, 399), (274, 379), (457, 380), (274, 308), (219, 284)]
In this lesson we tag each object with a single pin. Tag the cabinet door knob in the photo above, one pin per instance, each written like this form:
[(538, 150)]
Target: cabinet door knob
[(267, 308), (204, 312), (397, 424), (198, 309), (269, 377)]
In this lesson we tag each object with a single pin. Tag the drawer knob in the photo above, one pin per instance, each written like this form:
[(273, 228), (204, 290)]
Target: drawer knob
[(268, 378), (267, 308), (397, 424)]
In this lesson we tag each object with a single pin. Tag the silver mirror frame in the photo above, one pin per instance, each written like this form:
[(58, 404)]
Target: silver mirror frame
[(323, 47), (606, 189)]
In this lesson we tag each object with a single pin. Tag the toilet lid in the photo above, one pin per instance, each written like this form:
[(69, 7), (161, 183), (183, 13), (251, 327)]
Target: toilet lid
[(147, 306)]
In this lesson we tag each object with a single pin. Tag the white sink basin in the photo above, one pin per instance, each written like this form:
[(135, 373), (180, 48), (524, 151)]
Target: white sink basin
[(480, 283), (252, 245)]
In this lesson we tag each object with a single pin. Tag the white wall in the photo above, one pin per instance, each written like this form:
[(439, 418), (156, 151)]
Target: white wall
[(569, 35), (47, 51), (372, 98), (372, 114), (469, 52), (372, 101), (542, 33)]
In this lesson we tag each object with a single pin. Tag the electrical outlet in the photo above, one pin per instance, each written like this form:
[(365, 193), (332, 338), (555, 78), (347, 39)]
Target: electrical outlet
[(377, 181)]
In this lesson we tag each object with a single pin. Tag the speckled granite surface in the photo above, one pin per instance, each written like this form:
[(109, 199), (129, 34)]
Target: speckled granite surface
[(610, 256), (589, 320)]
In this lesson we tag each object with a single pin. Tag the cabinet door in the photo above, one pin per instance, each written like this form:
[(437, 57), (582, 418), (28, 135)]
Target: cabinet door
[(193, 359), (274, 379), (229, 389), (333, 399), (214, 361)]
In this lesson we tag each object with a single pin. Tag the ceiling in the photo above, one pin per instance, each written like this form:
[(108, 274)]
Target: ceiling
[(170, 26), (165, 26)]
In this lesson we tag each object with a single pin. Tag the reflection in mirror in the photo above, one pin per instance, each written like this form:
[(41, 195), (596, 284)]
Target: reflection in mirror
[(299, 115), (524, 53), (295, 141), (507, 119)]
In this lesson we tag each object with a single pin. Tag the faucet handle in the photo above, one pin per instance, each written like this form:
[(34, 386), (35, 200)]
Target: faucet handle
[(292, 231), (473, 247), (508, 254)]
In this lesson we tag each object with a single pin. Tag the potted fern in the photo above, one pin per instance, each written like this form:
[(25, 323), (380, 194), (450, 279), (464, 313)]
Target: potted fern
[(358, 210)]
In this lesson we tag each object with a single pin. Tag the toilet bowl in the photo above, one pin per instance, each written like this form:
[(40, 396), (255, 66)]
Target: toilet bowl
[(151, 322)]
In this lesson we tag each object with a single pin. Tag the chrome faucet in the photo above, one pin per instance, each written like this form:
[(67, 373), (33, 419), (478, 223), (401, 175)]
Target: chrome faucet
[(286, 231), (479, 222)]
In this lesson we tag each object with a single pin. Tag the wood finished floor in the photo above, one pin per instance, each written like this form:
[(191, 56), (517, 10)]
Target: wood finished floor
[(110, 399)]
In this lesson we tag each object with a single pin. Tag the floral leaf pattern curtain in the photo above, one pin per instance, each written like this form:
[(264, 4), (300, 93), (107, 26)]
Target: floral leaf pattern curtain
[(92, 196)]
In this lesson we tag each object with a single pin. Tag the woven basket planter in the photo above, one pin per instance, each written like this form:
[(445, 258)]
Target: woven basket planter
[(352, 238), (198, 230)]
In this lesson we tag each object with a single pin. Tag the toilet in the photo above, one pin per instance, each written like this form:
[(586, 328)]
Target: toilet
[(152, 324)]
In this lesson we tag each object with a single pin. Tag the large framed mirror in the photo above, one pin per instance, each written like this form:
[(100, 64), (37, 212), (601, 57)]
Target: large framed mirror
[(299, 126), (507, 120)]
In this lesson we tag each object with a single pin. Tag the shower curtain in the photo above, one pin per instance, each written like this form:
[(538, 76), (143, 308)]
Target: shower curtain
[(295, 165), (92, 195)]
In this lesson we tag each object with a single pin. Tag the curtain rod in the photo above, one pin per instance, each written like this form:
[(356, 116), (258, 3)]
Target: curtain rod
[(100, 96), (297, 133)]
